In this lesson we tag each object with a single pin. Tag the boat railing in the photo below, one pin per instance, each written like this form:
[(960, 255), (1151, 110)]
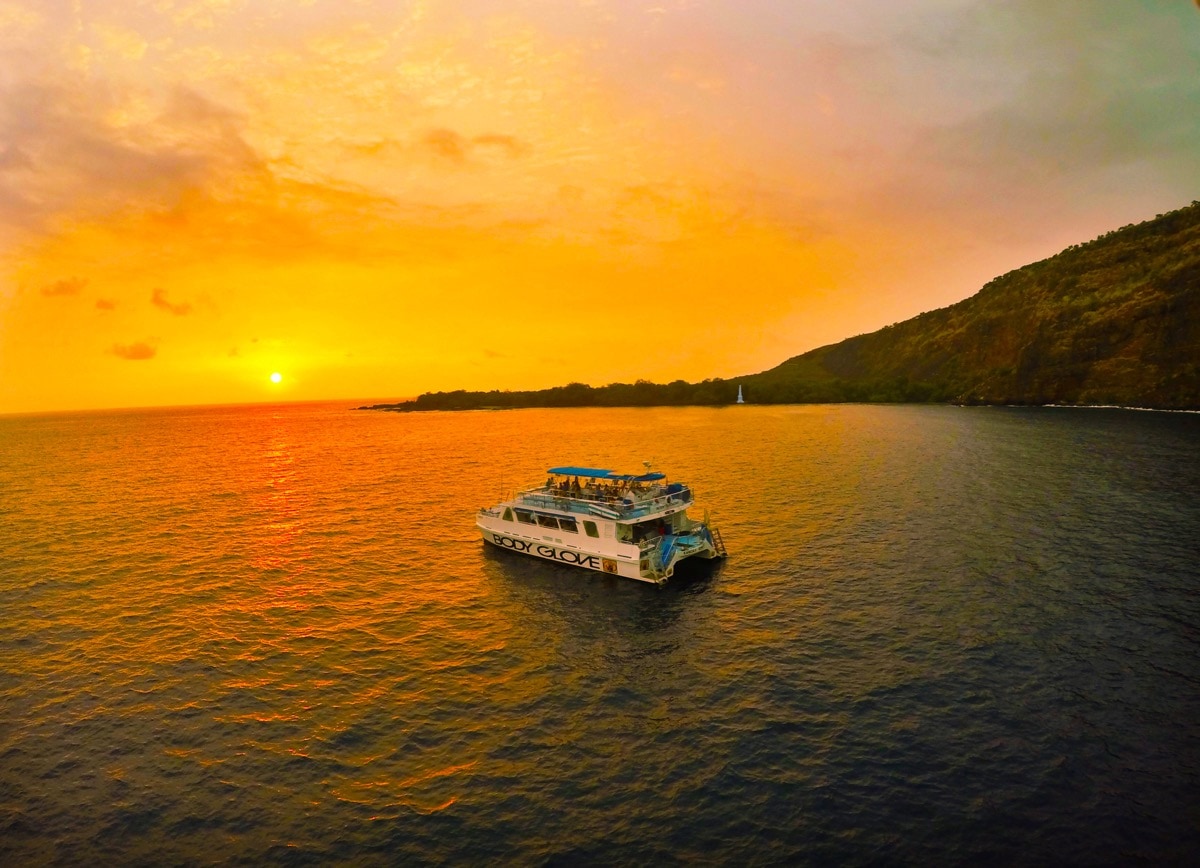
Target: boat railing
[(582, 501)]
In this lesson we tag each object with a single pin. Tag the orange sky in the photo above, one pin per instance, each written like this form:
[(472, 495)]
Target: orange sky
[(376, 199)]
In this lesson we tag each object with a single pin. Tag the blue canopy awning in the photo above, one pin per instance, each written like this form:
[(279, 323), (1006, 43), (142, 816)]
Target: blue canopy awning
[(590, 472), (596, 473)]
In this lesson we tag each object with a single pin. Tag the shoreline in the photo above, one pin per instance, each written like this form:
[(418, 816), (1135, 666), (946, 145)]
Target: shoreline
[(403, 407)]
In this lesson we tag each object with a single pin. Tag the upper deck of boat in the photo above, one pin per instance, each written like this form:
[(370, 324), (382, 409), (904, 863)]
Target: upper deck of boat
[(607, 494)]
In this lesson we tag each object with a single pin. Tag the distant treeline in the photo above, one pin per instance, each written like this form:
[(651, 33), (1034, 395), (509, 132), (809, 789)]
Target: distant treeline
[(640, 394), (1112, 321), (643, 393)]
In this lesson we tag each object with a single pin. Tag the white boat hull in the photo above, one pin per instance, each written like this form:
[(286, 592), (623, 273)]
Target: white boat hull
[(611, 564)]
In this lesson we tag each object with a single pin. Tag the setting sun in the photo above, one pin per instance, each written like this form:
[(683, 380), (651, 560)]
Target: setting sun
[(276, 377)]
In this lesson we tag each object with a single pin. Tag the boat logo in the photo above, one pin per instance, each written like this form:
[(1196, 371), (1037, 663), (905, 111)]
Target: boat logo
[(514, 544), (567, 557)]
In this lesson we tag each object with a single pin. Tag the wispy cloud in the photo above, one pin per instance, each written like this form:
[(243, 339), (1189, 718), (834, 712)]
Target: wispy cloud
[(159, 299), (454, 147), (508, 145), (446, 144), (106, 304), (135, 352), (66, 286), (76, 146)]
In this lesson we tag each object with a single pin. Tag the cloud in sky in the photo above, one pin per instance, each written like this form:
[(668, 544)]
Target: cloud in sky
[(320, 173), (459, 150), (159, 299), (1099, 90), (65, 286), (865, 91), (135, 352), (86, 148), (446, 144)]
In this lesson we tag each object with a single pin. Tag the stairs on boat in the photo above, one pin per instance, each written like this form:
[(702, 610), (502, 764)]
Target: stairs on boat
[(718, 543)]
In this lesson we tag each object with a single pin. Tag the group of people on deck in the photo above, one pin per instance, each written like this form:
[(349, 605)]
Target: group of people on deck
[(592, 489)]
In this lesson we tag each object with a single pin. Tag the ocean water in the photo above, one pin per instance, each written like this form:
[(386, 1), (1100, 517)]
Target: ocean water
[(272, 635)]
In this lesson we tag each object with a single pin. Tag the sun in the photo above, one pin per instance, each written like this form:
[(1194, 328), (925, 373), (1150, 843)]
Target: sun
[(276, 377)]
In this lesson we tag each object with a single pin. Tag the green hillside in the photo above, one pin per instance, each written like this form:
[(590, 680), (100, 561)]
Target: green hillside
[(1112, 321)]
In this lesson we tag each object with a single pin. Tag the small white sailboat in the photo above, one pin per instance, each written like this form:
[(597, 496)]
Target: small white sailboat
[(740, 399)]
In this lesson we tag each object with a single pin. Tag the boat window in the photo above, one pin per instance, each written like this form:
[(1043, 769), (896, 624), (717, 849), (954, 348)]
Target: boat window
[(590, 528), (507, 514), (547, 521), (568, 524), (525, 516)]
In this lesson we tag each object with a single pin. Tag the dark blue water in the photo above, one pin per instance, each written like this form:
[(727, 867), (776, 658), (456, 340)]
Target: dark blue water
[(262, 635)]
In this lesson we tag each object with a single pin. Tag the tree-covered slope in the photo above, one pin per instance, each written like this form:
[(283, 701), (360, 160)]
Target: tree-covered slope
[(1113, 321)]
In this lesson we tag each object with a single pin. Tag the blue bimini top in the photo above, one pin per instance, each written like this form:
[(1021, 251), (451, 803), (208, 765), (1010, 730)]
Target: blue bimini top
[(590, 472), (596, 473)]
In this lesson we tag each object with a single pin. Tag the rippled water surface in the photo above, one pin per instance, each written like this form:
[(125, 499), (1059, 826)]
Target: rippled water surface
[(272, 634)]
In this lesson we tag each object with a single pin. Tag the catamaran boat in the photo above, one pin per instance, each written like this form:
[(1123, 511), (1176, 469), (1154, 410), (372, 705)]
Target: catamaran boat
[(632, 526)]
